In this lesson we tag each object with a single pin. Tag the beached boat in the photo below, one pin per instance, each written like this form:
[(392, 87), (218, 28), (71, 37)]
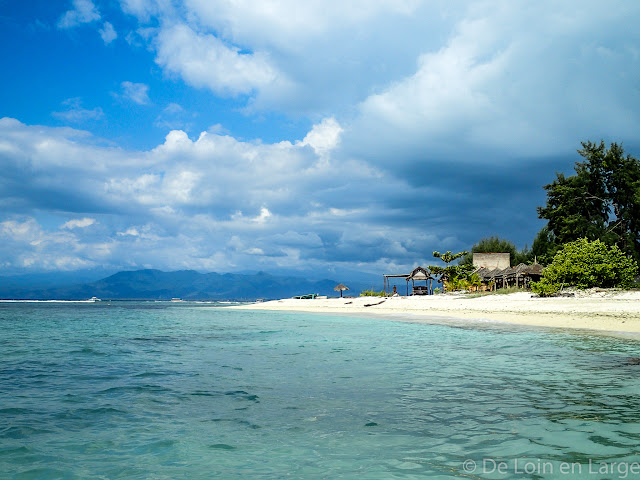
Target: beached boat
[(309, 296)]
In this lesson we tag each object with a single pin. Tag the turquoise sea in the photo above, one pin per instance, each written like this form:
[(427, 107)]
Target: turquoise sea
[(189, 391)]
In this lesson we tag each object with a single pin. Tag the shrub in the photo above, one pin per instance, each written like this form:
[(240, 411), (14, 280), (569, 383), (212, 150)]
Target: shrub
[(372, 293), (584, 264)]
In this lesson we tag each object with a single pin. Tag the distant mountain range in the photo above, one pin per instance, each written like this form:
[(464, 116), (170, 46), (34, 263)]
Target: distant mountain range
[(184, 284)]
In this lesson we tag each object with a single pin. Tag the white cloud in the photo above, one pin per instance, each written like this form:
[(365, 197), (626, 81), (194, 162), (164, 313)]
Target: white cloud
[(26, 231), (409, 118), (420, 101), (84, 11), (145, 9), (265, 214), (291, 56), (203, 60), (286, 22), (510, 81), (108, 33), (79, 223), (136, 92), (26, 244), (177, 206), (130, 231), (324, 137)]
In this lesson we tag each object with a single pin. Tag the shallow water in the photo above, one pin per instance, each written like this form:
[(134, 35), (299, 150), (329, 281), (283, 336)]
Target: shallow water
[(171, 391)]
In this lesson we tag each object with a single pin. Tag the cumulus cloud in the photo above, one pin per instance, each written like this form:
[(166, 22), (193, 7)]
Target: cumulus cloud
[(463, 63), (108, 33), (425, 113), (210, 202), (204, 60), (291, 56), (84, 11), (528, 82), (26, 245), (323, 137)]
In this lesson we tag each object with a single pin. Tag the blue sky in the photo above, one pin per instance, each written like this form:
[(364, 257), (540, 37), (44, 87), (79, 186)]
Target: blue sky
[(286, 135)]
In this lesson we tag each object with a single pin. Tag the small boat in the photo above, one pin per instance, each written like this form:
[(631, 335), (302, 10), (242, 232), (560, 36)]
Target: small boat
[(177, 300), (94, 299)]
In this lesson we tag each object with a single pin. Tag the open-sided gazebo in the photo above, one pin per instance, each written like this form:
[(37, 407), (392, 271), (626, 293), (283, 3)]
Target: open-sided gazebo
[(387, 281), (420, 274)]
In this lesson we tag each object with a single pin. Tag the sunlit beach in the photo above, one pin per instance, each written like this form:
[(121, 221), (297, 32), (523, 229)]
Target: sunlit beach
[(606, 311)]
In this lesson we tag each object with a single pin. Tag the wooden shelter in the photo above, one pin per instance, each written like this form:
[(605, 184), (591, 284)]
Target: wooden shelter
[(420, 274), (520, 276), (387, 282)]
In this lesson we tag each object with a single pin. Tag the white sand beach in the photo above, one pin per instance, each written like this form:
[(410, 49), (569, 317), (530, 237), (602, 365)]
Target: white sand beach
[(611, 311)]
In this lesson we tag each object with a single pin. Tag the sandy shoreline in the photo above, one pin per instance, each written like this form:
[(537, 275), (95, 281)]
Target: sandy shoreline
[(606, 311)]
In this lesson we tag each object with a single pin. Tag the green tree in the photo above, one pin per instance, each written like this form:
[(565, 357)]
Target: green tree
[(586, 264), (494, 244), (450, 272), (601, 201), (544, 246)]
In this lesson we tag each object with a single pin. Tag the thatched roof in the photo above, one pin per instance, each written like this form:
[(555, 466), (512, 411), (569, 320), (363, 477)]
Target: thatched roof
[(486, 274), (420, 273), (340, 287), (534, 269)]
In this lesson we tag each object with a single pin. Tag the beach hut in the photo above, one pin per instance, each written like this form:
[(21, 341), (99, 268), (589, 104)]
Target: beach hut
[(422, 275), (340, 287), (520, 276)]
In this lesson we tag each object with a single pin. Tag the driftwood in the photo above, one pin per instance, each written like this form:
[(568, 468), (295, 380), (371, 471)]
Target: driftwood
[(372, 304)]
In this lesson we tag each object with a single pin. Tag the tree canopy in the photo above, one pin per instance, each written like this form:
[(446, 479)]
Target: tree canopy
[(601, 201), (450, 272), (544, 246), (494, 244), (586, 264)]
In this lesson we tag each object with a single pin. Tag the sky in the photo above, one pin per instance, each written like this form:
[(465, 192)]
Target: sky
[(279, 135)]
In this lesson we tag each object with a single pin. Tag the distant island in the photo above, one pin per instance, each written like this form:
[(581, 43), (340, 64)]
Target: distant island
[(185, 284)]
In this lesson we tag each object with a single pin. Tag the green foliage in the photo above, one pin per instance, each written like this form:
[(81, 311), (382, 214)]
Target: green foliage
[(601, 201), (448, 257), (494, 244), (373, 293), (473, 282), (450, 273), (544, 246), (545, 288), (456, 283), (586, 264)]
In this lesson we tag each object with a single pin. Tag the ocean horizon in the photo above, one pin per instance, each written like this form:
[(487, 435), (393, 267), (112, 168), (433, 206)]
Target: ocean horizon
[(137, 390)]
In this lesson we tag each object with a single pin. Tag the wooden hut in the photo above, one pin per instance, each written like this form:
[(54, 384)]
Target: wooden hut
[(420, 274), (519, 276)]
